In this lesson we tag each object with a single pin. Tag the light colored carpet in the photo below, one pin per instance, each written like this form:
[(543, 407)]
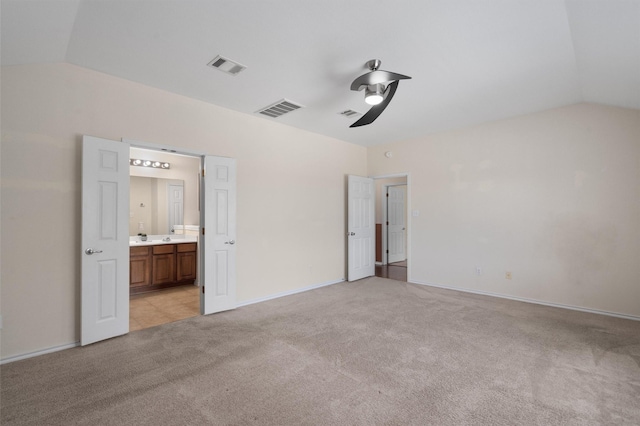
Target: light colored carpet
[(375, 351)]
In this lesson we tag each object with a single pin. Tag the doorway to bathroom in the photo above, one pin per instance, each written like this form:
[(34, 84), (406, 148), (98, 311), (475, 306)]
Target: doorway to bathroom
[(165, 211), (106, 243)]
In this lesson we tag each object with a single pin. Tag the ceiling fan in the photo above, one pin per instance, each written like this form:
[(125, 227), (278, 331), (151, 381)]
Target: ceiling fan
[(380, 86)]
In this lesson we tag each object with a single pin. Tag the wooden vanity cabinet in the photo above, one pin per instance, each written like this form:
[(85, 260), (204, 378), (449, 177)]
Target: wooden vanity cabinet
[(164, 264), (139, 266), (161, 266), (186, 261)]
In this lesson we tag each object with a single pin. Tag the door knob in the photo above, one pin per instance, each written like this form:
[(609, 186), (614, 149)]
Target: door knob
[(351, 234), (232, 242), (91, 251)]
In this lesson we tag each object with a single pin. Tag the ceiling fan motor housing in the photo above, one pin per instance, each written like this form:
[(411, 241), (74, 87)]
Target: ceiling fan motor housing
[(374, 64)]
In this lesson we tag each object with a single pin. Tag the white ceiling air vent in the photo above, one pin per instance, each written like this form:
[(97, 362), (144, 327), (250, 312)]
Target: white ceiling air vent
[(279, 108), (226, 65), (349, 113)]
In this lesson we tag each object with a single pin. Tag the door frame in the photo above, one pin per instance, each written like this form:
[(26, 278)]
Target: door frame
[(201, 200), (408, 219)]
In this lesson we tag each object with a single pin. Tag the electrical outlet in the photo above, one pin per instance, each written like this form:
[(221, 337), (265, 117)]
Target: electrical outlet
[(507, 275), (478, 270)]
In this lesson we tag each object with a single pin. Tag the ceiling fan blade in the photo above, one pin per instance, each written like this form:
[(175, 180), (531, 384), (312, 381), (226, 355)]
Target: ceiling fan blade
[(376, 110), (375, 77)]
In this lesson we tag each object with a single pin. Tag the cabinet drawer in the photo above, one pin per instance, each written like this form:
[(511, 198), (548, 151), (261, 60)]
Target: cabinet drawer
[(186, 247), (139, 251), (163, 249)]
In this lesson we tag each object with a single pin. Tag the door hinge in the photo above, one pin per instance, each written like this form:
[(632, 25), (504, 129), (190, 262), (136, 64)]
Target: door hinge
[(202, 172), (202, 289), (203, 230), (387, 194), (387, 223), (387, 251)]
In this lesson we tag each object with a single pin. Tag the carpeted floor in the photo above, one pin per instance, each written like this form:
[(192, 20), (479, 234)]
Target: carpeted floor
[(372, 352)]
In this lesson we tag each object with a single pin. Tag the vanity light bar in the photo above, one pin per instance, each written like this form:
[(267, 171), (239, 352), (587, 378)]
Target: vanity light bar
[(149, 163)]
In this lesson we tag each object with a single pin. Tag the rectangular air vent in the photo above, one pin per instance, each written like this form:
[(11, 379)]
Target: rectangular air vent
[(281, 107), (226, 65), (349, 113)]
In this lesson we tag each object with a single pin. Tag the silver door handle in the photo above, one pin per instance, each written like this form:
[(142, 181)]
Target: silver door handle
[(232, 242), (91, 251), (350, 234)]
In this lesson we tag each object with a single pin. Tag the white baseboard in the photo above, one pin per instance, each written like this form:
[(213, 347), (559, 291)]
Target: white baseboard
[(38, 353), (245, 303), (534, 301), (288, 293), (328, 283)]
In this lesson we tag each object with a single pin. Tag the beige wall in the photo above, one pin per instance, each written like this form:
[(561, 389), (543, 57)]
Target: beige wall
[(291, 191), (552, 197)]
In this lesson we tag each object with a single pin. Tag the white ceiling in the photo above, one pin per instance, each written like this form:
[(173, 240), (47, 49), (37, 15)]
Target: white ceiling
[(471, 61)]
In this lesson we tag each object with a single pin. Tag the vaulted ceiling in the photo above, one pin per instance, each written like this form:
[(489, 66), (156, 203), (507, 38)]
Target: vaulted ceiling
[(470, 61)]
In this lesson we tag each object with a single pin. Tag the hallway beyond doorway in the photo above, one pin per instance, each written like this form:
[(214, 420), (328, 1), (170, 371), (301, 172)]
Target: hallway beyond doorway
[(395, 271)]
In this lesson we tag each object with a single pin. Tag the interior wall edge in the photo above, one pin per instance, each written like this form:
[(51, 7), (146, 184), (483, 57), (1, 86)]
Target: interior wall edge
[(532, 301), (52, 349), (288, 293), (34, 354)]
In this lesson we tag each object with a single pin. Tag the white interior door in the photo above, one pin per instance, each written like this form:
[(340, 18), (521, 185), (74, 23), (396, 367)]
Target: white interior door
[(397, 227), (176, 206), (218, 257), (105, 239), (361, 231)]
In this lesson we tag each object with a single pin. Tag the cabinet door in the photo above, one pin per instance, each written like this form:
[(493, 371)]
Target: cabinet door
[(186, 266), (139, 266), (163, 268), (139, 271)]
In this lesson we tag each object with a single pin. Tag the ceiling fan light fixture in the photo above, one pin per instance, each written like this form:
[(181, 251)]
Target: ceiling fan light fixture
[(374, 94)]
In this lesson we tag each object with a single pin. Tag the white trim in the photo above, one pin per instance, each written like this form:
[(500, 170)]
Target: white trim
[(328, 283), (245, 303), (167, 148), (533, 301), (393, 175), (38, 353), (288, 293)]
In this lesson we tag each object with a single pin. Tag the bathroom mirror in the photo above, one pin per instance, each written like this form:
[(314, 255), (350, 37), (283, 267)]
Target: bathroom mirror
[(156, 205)]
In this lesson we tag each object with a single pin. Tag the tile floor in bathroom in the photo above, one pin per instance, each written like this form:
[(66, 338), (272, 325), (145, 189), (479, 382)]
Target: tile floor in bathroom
[(163, 306)]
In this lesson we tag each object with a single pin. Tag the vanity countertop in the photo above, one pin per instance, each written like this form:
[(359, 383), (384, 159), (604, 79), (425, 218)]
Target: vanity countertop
[(155, 240)]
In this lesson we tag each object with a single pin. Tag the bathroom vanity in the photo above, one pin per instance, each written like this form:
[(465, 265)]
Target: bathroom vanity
[(155, 265)]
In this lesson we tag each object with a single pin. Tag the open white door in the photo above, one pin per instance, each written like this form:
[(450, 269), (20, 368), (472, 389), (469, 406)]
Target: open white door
[(218, 256), (397, 229), (105, 239), (361, 231)]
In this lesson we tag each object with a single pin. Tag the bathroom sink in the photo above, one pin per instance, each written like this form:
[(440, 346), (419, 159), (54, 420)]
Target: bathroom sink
[(158, 241), (147, 242)]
